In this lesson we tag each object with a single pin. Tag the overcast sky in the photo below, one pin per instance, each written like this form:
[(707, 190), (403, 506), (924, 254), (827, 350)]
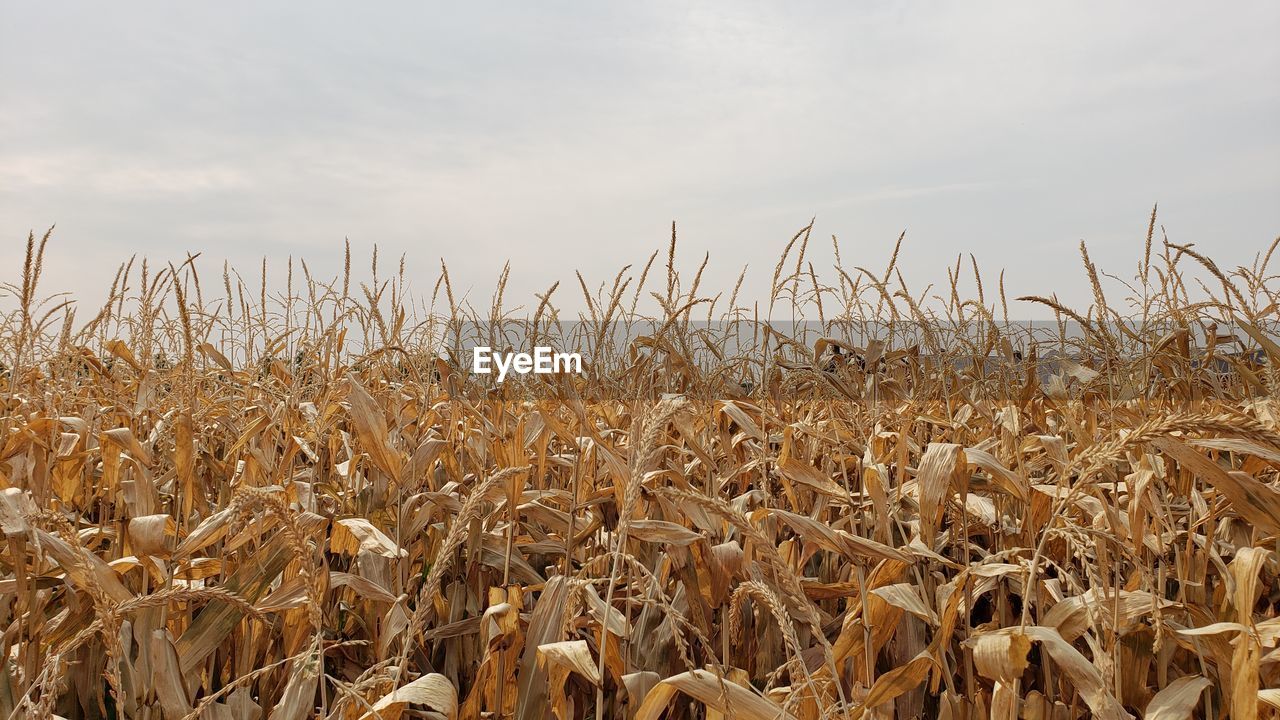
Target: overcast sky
[(568, 136)]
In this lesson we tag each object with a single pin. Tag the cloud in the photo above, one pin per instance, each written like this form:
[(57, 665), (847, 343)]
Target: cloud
[(569, 136)]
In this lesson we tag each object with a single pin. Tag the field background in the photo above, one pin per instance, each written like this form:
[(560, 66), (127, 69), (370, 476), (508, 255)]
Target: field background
[(229, 497)]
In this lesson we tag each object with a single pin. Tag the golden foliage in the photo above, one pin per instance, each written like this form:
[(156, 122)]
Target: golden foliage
[(908, 510)]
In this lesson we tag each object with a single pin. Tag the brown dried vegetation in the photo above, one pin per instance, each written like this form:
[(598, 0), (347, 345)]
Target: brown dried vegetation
[(223, 504)]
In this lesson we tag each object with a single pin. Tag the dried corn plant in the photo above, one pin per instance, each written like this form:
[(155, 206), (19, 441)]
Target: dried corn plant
[(223, 500)]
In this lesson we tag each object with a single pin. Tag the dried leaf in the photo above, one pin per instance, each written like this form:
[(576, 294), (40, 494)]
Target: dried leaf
[(371, 426), (350, 535), (810, 476), (1254, 501), (718, 693), (1177, 700), (573, 655), (433, 691), (661, 531)]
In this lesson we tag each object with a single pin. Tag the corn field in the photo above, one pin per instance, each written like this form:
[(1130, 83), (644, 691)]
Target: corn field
[(289, 497)]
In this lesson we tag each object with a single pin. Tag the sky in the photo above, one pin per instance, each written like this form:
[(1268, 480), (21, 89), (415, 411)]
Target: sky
[(569, 136)]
